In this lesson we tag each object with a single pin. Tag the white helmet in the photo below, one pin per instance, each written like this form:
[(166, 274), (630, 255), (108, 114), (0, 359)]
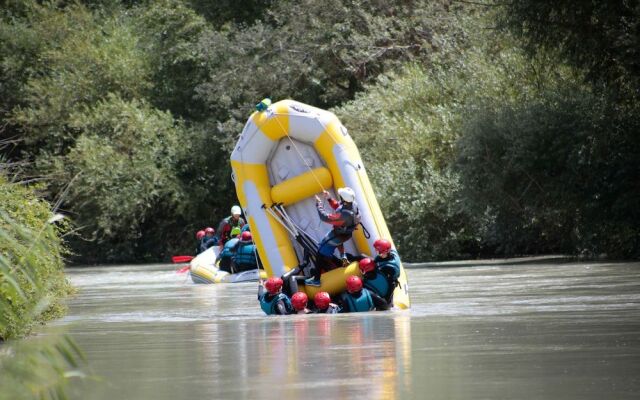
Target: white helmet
[(347, 194), (235, 210)]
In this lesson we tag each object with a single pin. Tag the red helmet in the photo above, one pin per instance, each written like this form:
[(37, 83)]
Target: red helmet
[(273, 285), (200, 234), (382, 245), (354, 284), (322, 300), (366, 265), (299, 300), (209, 230), (246, 236)]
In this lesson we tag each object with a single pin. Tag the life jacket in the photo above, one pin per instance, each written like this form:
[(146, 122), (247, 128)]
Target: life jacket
[(361, 303), (268, 303), (244, 256), (377, 282), (389, 266), (227, 250), (351, 218)]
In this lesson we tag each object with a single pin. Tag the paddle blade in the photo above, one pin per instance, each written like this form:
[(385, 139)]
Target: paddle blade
[(183, 269), (181, 259)]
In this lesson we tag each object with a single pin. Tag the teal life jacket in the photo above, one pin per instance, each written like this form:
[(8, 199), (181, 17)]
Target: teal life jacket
[(228, 247), (362, 303), (268, 303), (245, 256), (389, 266), (377, 283)]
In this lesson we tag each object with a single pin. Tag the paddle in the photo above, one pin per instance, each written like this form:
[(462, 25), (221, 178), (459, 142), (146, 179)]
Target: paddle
[(183, 269), (181, 259)]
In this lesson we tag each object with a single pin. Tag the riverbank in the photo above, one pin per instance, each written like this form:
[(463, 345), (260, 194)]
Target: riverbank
[(491, 261)]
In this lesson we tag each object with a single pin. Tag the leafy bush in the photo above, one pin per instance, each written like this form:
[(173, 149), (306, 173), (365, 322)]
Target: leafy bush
[(32, 281)]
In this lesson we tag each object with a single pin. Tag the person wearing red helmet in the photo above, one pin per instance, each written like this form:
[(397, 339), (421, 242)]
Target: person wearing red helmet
[(356, 298), (209, 239), (299, 302), (344, 220), (376, 281), (274, 302), (244, 255), (323, 304), (199, 235), (388, 264)]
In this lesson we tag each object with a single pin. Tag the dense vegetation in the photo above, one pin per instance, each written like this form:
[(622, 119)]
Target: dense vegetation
[(32, 285), (487, 128)]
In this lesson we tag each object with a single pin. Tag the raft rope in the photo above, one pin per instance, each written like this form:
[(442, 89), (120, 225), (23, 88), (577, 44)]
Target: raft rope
[(298, 151)]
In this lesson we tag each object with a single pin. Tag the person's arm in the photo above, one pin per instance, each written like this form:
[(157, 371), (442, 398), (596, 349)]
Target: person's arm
[(380, 303), (281, 308), (260, 291), (220, 230), (334, 219)]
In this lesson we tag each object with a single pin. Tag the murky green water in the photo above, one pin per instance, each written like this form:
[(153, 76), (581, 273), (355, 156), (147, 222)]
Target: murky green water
[(540, 331)]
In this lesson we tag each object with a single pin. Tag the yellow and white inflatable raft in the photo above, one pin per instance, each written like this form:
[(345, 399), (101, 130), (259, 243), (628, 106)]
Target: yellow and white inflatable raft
[(204, 269), (286, 154)]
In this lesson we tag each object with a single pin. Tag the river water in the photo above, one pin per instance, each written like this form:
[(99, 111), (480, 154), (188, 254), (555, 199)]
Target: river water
[(532, 331)]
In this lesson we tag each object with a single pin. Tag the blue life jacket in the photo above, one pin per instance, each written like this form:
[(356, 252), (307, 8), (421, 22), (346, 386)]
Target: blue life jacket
[(389, 266), (245, 228), (268, 303), (361, 303), (228, 247), (245, 256), (377, 283)]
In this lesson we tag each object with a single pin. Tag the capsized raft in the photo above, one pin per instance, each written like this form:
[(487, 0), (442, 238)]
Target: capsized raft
[(204, 269), (287, 154)]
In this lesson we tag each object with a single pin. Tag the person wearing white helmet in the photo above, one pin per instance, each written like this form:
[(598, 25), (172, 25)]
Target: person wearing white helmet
[(227, 224), (344, 220)]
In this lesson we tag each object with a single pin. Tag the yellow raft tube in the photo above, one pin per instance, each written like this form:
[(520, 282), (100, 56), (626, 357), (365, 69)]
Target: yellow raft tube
[(286, 154)]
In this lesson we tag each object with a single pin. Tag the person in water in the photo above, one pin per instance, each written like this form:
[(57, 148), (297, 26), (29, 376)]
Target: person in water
[(199, 235), (388, 264), (299, 302), (227, 224), (209, 239), (226, 254), (344, 221), (274, 302), (375, 281), (244, 254), (323, 304), (359, 299)]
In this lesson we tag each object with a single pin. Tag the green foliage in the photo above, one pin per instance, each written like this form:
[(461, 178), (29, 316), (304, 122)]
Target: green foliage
[(407, 127), (122, 172), (134, 107), (169, 32), (39, 369), (95, 56), (32, 281), (32, 284), (317, 52), (557, 172), (601, 36)]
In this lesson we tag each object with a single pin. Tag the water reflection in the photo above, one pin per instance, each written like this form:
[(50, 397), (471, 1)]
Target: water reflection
[(312, 356)]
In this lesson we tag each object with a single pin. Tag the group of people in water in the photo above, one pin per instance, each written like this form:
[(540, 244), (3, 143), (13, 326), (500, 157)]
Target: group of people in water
[(374, 291)]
